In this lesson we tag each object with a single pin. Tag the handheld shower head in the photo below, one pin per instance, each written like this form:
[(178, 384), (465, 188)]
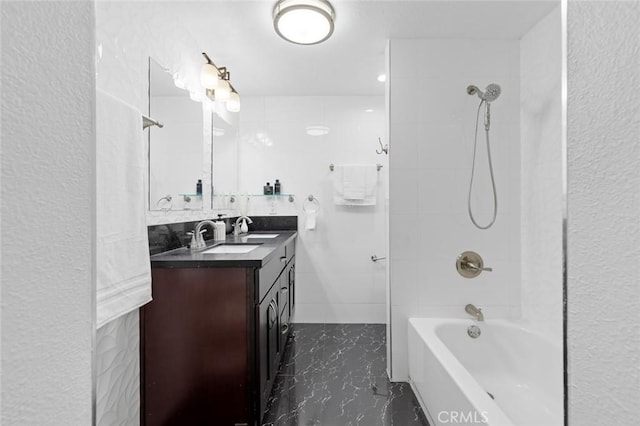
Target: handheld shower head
[(490, 94)]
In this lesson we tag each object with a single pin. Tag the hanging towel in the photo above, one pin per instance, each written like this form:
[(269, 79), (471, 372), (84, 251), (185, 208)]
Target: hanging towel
[(355, 184), (122, 253), (311, 218)]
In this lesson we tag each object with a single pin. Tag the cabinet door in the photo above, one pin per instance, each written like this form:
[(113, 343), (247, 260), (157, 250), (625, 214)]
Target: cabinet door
[(291, 276), (284, 311), (273, 339), (269, 342)]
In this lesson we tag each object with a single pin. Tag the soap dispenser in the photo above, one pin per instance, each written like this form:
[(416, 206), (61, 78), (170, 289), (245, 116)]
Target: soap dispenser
[(220, 231)]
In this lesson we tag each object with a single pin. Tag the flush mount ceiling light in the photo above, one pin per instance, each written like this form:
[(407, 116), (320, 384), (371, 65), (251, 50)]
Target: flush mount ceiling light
[(218, 87), (304, 21)]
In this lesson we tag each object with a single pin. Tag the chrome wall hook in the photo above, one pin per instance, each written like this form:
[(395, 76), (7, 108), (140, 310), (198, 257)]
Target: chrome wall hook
[(383, 148)]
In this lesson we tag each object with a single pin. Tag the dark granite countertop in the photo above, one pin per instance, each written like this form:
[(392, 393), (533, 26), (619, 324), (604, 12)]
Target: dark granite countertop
[(185, 258)]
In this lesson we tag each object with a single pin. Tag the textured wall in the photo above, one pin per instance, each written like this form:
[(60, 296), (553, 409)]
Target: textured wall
[(118, 372), (603, 230), (432, 123), (127, 34), (336, 280), (48, 161), (541, 166)]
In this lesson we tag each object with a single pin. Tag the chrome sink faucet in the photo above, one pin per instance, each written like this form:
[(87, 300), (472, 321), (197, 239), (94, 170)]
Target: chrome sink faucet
[(197, 233), (236, 226), (474, 312)]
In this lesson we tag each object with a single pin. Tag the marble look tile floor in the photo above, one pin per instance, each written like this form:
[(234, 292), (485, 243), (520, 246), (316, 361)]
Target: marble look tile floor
[(335, 375)]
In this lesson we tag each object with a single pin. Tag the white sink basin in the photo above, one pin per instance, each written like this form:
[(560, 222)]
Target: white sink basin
[(231, 249), (262, 235)]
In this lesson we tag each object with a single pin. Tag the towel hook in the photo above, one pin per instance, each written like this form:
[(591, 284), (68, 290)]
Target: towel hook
[(383, 148), (167, 205), (312, 200)]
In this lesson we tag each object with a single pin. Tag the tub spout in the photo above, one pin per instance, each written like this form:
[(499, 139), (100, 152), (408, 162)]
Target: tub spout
[(474, 312)]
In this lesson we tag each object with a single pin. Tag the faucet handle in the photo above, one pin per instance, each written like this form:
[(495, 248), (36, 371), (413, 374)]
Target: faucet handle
[(469, 264)]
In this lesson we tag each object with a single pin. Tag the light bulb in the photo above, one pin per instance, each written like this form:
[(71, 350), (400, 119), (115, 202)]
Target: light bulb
[(233, 103), (223, 91), (209, 77)]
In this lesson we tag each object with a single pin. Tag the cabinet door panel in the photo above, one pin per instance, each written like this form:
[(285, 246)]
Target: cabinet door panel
[(186, 377), (292, 287)]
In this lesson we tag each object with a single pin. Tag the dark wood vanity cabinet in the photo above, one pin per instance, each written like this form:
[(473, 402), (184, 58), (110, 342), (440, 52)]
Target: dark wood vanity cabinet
[(212, 340)]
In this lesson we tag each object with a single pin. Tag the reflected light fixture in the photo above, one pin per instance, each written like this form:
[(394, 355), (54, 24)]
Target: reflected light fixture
[(317, 130), (218, 87), (382, 78), (304, 21)]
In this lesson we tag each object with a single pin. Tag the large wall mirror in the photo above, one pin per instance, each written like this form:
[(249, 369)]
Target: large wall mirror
[(176, 150), (224, 162)]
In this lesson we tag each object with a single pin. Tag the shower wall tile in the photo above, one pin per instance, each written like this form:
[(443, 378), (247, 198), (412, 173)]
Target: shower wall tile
[(336, 279), (542, 178), (432, 125), (405, 199)]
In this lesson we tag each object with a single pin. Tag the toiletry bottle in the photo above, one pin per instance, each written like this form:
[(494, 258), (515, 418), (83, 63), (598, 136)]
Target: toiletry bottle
[(276, 187), (199, 187), (266, 189), (220, 232)]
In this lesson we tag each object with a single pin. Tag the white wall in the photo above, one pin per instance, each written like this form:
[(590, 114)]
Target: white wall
[(336, 279), (432, 123), (603, 231), (48, 204), (541, 162)]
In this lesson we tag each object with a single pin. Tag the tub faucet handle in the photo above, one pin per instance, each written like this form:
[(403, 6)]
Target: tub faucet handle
[(470, 264), (478, 268)]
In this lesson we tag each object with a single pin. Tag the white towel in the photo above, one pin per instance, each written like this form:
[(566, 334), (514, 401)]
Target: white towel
[(310, 220), (122, 253), (355, 184)]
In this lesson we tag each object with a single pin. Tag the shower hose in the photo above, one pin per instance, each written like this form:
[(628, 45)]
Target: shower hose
[(473, 166)]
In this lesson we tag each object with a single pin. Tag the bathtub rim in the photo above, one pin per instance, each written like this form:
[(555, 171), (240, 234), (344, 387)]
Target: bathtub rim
[(426, 329)]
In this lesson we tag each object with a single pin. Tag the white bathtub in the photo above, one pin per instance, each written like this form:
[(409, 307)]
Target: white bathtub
[(451, 373)]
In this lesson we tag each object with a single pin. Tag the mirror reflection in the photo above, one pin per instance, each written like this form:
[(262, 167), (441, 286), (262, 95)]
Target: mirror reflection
[(175, 150), (224, 161)]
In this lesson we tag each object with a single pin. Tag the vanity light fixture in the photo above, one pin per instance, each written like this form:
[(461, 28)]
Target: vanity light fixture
[(218, 87), (382, 78), (233, 103), (223, 91), (304, 21)]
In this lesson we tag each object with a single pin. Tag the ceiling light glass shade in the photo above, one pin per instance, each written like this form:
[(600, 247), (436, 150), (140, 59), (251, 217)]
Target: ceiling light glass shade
[(209, 76), (223, 91), (317, 130), (304, 21), (233, 103)]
